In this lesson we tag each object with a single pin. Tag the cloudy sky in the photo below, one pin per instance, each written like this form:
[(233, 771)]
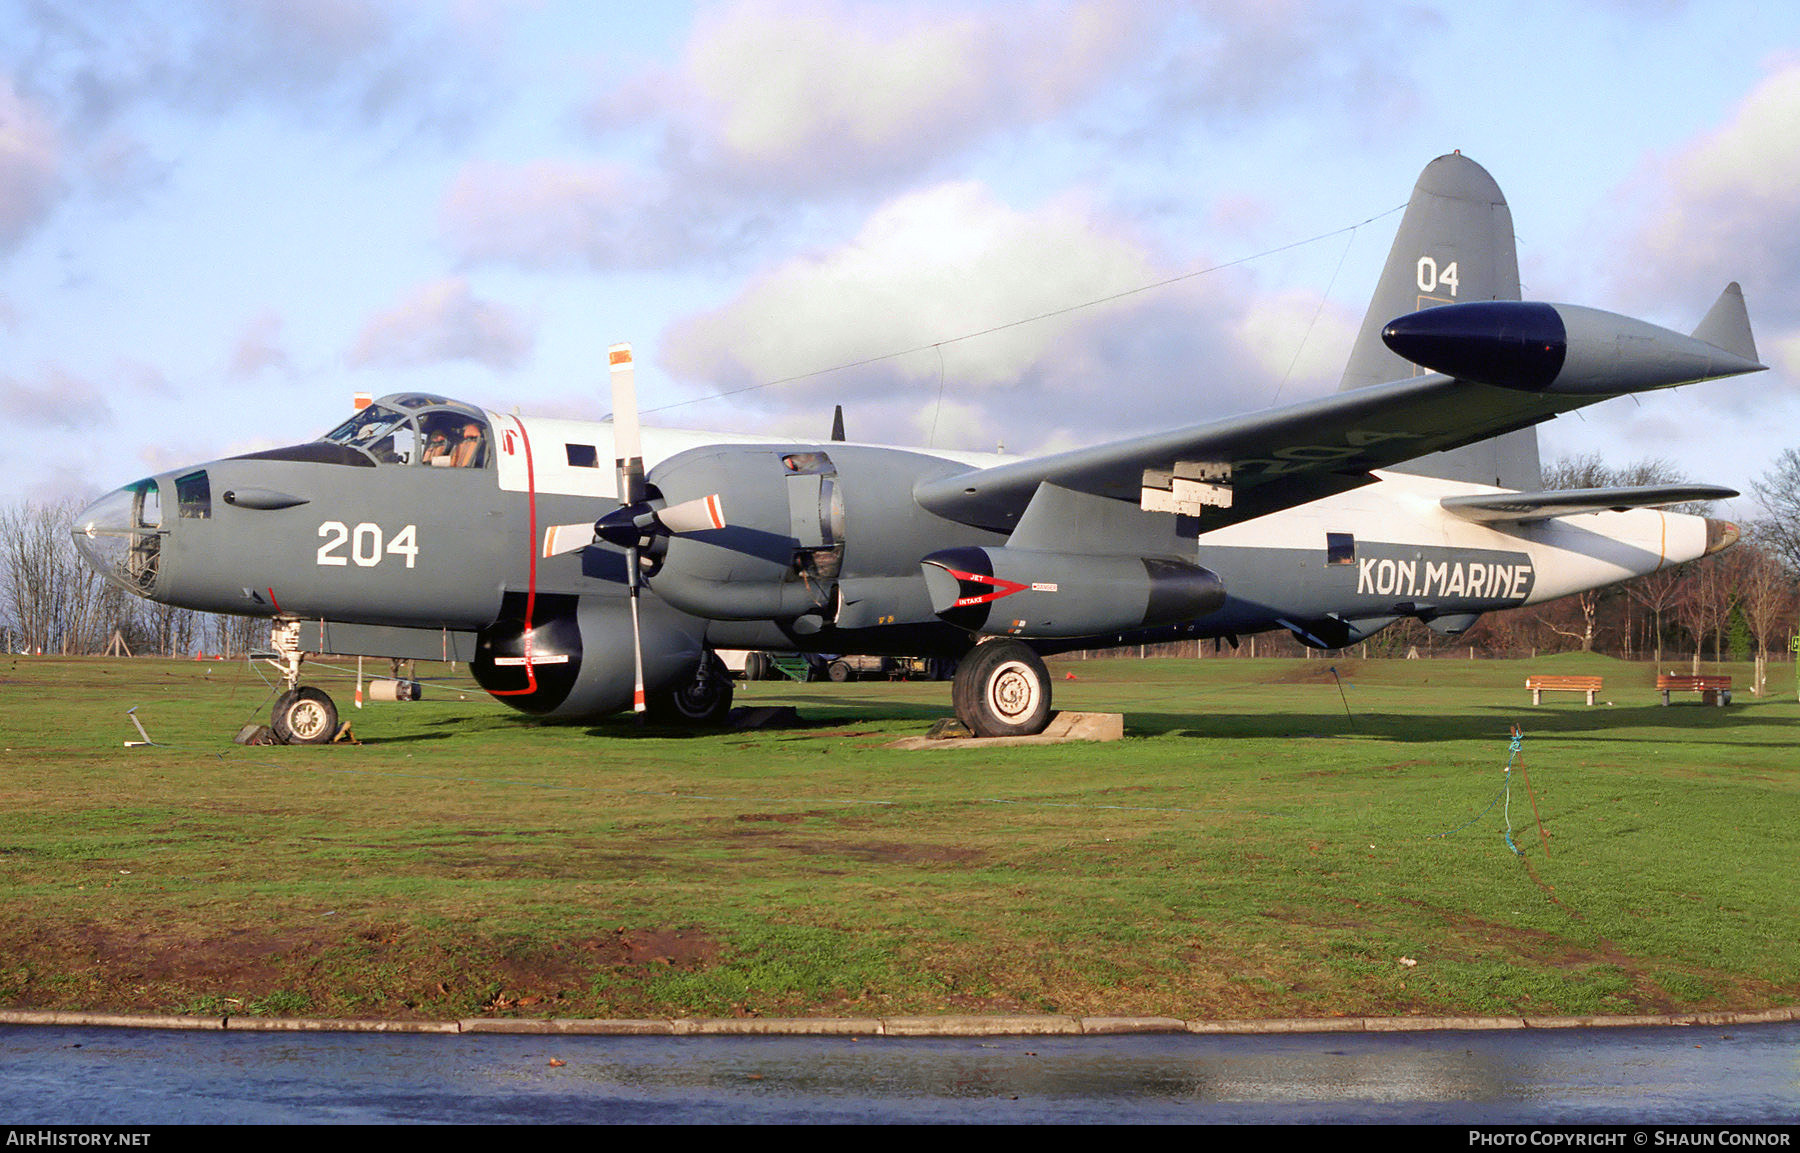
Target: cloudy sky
[(1036, 222)]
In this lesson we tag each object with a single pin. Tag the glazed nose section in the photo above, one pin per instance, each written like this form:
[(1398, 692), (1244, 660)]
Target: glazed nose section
[(120, 536)]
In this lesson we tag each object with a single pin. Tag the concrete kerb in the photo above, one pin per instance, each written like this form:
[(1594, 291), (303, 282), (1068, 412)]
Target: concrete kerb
[(947, 1026)]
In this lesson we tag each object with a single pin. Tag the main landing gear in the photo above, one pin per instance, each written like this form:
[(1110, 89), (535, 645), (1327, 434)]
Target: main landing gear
[(1002, 690), (302, 715), (703, 700)]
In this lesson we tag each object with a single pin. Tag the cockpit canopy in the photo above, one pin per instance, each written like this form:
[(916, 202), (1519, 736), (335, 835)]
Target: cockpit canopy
[(416, 428)]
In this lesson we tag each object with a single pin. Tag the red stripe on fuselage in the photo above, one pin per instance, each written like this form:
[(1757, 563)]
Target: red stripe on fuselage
[(531, 579)]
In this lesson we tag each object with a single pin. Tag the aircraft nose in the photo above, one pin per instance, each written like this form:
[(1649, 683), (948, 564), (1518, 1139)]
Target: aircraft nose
[(120, 536)]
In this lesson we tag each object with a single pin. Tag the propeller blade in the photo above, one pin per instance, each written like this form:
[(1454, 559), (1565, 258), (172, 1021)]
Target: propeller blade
[(693, 515), (637, 637), (628, 446), (562, 538)]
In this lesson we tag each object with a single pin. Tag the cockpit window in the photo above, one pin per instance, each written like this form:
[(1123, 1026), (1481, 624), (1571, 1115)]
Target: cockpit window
[(438, 433), (453, 440), (384, 434)]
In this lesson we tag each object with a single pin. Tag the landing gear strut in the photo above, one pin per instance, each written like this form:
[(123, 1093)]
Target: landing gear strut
[(1002, 690), (302, 715)]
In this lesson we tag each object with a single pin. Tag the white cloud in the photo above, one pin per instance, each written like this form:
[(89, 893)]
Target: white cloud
[(1727, 207), (927, 267), (946, 275), (1297, 339), (258, 347), (443, 321), (29, 166), (56, 400), (570, 213), (357, 62), (1232, 58), (830, 92)]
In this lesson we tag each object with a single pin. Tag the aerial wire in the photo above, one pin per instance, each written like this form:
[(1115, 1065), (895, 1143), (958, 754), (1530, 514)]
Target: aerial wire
[(1050, 315), (1330, 286)]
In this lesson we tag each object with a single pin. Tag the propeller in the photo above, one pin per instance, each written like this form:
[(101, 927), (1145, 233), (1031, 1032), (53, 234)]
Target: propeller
[(628, 449), (634, 524)]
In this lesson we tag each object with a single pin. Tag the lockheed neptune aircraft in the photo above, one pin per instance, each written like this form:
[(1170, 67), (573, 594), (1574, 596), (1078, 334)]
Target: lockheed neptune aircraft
[(582, 568)]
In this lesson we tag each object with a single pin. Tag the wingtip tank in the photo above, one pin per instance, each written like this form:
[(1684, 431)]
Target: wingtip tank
[(1557, 348)]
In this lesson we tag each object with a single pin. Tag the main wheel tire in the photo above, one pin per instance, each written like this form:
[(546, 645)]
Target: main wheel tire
[(1002, 690), (304, 716), (703, 699)]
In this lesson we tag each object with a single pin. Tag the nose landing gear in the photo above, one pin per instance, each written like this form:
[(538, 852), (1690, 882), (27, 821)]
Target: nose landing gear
[(302, 715)]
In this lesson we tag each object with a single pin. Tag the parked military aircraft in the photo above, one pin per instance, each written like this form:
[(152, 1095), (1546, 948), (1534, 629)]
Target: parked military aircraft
[(582, 568)]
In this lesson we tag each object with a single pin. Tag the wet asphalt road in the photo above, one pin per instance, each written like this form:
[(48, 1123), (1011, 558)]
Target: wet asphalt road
[(1631, 1076)]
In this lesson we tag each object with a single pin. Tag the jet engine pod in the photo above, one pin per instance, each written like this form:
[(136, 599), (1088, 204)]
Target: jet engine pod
[(1556, 348), (1027, 593)]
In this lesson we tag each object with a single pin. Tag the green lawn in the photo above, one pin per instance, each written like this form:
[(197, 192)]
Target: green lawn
[(1270, 839)]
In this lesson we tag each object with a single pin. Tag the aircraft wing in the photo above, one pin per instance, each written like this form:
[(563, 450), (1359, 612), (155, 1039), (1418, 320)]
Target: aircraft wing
[(1494, 508), (1262, 462), (1501, 365)]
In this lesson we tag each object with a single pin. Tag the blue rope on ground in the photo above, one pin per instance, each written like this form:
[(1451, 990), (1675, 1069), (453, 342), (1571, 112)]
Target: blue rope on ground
[(1517, 738), (1504, 793)]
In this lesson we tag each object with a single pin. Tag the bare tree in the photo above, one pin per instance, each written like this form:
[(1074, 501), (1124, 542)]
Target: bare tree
[(1778, 491), (1658, 592), (1767, 596), (1708, 590), (55, 603)]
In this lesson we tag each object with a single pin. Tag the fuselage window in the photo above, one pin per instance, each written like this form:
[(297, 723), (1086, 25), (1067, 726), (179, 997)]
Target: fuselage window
[(193, 496), (1340, 548), (583, 456)]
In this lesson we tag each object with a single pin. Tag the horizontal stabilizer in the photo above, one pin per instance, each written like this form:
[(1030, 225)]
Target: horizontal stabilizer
[(1727, 324), (1493, 508)]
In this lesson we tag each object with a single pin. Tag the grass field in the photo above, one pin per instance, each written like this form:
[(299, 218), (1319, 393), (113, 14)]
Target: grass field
[(1269, 840)]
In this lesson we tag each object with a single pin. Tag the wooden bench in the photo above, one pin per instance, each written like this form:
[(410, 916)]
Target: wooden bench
[(1712, 690), (1541, 685)]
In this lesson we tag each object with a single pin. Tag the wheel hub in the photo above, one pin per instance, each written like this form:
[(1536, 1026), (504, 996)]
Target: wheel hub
[(1013, 691)]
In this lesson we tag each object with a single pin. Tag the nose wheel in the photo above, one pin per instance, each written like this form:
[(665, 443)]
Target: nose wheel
[(304, 716)]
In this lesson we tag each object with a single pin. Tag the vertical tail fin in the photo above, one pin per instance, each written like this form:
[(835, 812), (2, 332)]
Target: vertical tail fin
[(1455, 244)]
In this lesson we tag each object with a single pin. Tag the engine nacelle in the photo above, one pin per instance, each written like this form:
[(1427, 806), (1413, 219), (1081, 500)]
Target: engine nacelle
[(1032, 594), (781, 547), (576, 662)]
